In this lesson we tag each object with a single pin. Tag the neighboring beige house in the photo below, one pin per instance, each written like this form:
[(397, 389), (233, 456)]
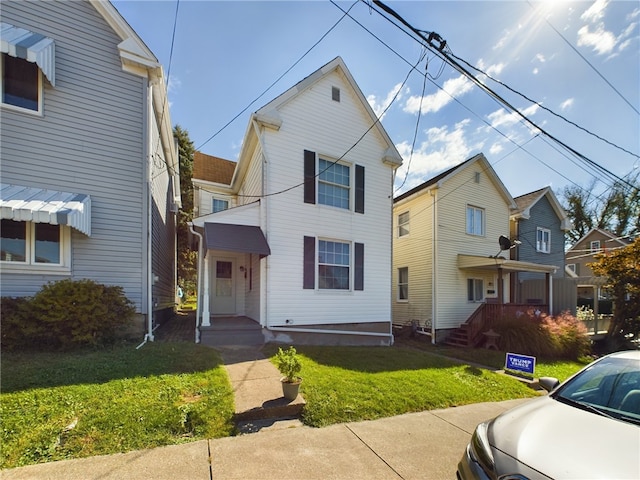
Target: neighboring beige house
[(447, 259), (296, 241), (582, 253)]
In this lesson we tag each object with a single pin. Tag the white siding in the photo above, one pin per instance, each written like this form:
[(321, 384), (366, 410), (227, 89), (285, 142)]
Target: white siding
[(315, 122)]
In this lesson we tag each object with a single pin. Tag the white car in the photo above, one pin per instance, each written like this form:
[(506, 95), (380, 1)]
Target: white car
[(586, 428)]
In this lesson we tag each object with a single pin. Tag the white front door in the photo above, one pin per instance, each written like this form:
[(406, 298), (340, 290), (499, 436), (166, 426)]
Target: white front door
[(223, 287)]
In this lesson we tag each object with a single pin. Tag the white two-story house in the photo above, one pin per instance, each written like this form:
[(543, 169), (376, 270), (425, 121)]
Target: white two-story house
[(303, 248)]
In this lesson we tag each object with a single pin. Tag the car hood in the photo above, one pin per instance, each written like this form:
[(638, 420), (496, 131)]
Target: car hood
[(565, 442)]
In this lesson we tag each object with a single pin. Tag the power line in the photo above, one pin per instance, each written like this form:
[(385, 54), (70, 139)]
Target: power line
[(442, 49), (588, 63), (277, 80)]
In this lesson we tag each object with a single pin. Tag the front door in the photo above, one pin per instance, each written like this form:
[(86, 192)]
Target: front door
[(223, 288)]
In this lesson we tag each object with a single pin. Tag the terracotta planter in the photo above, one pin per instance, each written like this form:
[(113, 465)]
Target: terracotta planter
[(290, 389)]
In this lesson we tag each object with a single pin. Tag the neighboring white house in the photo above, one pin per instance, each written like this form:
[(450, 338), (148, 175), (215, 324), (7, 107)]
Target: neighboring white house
[(304, 248), (447, 258), (89, 166)]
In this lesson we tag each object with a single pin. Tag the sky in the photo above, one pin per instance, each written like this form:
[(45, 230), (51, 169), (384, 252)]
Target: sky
[(571, 67)]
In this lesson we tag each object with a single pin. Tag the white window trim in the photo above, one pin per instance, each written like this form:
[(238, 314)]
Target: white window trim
[(15, 108), (597, 249), (466, 226), (350, 188), (350, 266), (63, 268), (540, 245), (214, 199), (483, 296), (405, 225), (398, 299)]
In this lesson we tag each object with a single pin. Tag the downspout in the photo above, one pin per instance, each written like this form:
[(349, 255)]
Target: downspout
[(434, 256), (391, 272), (149, 154), (199, 281)]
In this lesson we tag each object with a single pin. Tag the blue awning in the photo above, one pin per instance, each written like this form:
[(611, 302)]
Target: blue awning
[(28, 204), (33, 47)]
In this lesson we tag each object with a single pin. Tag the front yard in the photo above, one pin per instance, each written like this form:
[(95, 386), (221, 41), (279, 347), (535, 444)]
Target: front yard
[(55, 406)]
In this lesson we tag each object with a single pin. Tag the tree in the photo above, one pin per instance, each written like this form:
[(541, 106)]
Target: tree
[(622, 269), (617, 210), (187, 258)]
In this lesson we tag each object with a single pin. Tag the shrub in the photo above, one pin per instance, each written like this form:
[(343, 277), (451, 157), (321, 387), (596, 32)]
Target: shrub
[(288, 363), (67, 314), (561, 336)]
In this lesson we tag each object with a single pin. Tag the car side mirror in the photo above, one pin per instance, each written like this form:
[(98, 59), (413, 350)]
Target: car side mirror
[(548, 383)]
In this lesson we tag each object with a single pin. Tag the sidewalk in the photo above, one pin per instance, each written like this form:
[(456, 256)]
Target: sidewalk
[(424, 445)]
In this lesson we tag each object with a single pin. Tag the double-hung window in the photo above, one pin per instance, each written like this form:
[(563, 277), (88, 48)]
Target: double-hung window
[(333, 265), (543, 240), (403, 224), (27, 243), (595, 246), (219, 205), (475, 220), (475, 289), (403, 283), (334, 184)]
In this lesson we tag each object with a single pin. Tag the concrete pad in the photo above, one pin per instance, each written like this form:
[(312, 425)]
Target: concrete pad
[(304, 452), (189, 460), (417, 446)]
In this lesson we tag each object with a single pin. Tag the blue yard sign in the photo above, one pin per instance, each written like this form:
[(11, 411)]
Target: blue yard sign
[(520, 363)]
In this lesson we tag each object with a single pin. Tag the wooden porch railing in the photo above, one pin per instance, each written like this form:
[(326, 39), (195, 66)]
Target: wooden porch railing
[(487, 314)]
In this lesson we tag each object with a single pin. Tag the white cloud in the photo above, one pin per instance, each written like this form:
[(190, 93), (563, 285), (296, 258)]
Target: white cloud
[(540, 57), (442, 149), (535, 71), (601, 40), (595, 12), (380, 106), (568, 103), (501, 118), (452, 88)]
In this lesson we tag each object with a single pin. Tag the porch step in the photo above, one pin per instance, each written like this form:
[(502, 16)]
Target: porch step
[(459, 338), (232, 331)]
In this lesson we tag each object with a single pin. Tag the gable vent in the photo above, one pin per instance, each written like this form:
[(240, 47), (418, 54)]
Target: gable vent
[(477, 177), (335, 94)]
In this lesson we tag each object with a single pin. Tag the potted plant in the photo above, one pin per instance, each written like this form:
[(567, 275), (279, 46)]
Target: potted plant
[(288, 363)]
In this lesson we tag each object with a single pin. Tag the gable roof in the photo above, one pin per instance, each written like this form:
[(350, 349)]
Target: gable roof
[(622, 242), (525, 202), (212, 169), (268, 113), (438, 180)]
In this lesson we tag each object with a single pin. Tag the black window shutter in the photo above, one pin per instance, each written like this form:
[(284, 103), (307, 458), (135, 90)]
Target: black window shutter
[(309, 177), (358, 274), (309, 280), (359, 189)]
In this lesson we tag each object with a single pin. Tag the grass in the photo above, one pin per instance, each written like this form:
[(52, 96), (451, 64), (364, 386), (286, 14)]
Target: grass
[(345, 384), (58, 406)]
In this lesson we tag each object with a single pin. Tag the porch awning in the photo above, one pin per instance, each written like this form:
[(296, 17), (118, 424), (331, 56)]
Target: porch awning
[(236, 238), (493, 263), (28, 204), (33, 47)]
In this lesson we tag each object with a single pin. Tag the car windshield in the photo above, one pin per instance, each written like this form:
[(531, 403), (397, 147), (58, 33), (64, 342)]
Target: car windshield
[(610, 387)]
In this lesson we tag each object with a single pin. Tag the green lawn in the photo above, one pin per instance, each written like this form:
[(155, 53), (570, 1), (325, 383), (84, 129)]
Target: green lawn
[(57, 406), (69, 405)]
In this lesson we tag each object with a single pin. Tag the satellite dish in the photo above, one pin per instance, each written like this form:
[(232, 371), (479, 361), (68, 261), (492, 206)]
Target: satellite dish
[(505, 243)]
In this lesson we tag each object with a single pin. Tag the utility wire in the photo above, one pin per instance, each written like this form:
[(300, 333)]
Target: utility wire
[(543, 107), (277, 80), (588, 63), (443, 46)]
